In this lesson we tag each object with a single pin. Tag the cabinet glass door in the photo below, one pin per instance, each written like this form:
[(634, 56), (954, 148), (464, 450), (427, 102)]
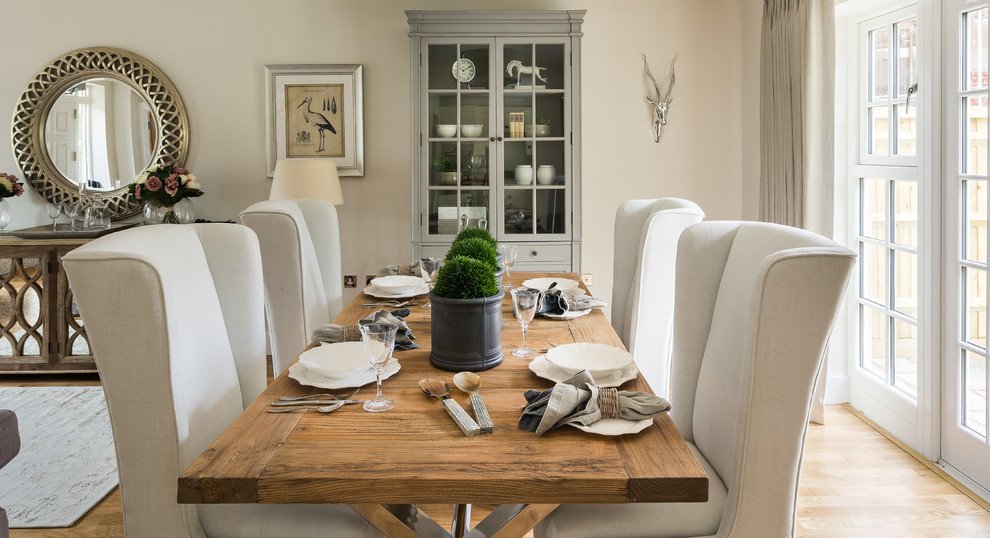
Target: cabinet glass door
[(534, 154), (458, 139)]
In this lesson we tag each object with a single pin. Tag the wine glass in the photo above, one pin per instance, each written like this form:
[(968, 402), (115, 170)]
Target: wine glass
[(429, 267), (54, 210), (524, 303), (508, 253), (379, 341)]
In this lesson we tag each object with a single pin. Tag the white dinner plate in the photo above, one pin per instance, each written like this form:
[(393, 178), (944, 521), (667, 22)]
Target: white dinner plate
[(547, 370), (615, 426), (398, 284), (305, 376), (570, 314), (377, 293), (598, 359), (542, 284), (340, 360)]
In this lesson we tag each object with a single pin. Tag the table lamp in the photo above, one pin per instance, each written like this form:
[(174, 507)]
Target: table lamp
[(309, 179)]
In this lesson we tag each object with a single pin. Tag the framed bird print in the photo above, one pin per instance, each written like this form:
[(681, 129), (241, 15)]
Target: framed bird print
[(315, 112)]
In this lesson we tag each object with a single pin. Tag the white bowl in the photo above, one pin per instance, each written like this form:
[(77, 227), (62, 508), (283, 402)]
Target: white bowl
[(397, 284), (446, 130), (598, 359), (471, 130), (543, 284), (341, 360)]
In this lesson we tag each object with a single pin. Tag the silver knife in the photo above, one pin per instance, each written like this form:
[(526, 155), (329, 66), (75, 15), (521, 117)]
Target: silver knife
[(278, 403)]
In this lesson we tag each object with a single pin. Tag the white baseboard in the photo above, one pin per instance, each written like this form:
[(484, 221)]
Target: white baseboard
[(837, 389)]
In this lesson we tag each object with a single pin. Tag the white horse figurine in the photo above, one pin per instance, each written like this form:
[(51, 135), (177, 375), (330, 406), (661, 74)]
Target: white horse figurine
[(524, 70)]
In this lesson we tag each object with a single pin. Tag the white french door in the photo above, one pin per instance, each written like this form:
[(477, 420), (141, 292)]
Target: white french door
[(965, 414)]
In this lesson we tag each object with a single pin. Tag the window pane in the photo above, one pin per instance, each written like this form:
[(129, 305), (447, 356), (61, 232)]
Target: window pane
[(874, 210), (874, 340), (974, 400), (976, 49), (975, 306), (474, 205), (975, 220), (519, 211), (907, 52), (906, 357), (443, 212), (874, 273), (906, 283), (880, 130), (880, 68), (441, 60), (551, 211), (976, 135), (906, 213), (474, 71), (907, 128)]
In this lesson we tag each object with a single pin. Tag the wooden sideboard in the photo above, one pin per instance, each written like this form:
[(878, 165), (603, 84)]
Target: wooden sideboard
[(40, 327)]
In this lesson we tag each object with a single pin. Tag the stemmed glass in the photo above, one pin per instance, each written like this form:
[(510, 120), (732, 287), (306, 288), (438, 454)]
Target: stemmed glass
[(379, 341), (54, 210), (524, 303), (508, 253), (429, 267)]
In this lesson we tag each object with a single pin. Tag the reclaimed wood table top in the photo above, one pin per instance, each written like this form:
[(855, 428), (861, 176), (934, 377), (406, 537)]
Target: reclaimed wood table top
[(416, 454)]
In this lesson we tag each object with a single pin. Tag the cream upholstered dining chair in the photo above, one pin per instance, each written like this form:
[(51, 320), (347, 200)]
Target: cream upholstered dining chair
[(300, 254), (754, 308), (174, 314), (646, 236)]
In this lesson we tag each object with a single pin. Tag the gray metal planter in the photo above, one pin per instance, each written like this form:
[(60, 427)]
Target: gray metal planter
[(466, 333)]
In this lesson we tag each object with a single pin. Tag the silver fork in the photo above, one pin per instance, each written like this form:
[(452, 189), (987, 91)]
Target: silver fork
[(393, 304), (322, 395), (322, 409)]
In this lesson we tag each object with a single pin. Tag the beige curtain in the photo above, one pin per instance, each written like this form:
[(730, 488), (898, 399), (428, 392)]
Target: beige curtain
[(797, 99)]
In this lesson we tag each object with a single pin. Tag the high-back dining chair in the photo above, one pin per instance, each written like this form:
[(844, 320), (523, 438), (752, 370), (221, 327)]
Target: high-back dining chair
[(10, 445), (646, 235), (300, 254), (754, 307), (174, 315)]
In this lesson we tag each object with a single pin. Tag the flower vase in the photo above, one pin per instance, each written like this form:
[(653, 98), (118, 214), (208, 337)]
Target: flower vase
[(4, 213), (183, 212)]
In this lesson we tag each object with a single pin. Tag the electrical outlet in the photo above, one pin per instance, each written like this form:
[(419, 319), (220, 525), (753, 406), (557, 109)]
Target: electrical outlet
[(586, 278), (368, 279), (350, 281)]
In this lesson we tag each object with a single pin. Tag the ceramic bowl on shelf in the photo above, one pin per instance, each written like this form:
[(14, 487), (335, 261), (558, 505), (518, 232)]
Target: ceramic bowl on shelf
[(541, 130), (446, 130), (471, 130)]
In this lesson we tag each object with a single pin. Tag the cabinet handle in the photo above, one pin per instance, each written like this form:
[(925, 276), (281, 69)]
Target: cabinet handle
[(500, 139), (492, 139), (534, 253)]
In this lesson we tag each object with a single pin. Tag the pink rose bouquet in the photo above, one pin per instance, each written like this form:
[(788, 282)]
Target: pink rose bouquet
[(165, 185), (10, 186)]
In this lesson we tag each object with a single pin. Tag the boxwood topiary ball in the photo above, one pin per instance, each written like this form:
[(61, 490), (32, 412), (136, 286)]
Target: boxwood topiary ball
[(465, 278), (476, 233), (476, 248)]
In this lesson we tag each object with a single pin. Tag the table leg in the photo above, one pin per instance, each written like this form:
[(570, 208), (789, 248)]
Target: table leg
[(462, 520), (511, 520), (400, 520)]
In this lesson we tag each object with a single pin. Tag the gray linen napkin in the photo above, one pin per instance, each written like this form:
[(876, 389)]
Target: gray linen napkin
[(411, 269), (556, 302), (579, 401), (333, 333)]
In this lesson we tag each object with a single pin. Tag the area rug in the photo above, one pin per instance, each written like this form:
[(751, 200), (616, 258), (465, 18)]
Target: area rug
[(67, 461)]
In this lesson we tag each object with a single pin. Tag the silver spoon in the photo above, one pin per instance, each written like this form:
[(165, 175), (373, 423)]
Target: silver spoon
[(470, 383), (439, 390)]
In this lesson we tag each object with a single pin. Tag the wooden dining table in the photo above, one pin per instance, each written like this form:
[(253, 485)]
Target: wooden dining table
[(385, 464)]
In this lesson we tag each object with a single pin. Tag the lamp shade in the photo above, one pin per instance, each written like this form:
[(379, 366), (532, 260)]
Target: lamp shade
[(306, 179)]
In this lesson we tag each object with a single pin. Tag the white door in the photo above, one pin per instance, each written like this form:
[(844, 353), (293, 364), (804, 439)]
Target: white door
[(964, 439), (62, 137)]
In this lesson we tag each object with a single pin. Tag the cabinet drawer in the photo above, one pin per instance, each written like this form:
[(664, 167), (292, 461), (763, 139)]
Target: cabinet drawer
[(529, 253)]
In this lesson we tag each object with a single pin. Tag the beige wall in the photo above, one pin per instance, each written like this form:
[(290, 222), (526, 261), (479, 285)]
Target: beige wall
[(215, 53)]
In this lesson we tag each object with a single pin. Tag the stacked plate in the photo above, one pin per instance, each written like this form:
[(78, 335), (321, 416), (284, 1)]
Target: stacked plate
[(543, 284), (337, 366), (609, 366), (397, 287)]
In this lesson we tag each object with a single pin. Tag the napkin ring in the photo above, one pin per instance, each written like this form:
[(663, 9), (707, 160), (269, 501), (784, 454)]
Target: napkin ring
[(608, 402)]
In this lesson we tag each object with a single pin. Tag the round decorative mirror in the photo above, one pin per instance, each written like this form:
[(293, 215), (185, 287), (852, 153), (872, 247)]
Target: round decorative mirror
[(91, 121)]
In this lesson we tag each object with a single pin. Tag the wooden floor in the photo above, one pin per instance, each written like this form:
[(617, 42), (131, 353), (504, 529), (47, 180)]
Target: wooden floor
[(854, 482)]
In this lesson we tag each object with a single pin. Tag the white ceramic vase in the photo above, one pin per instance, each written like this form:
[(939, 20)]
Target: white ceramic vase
[(524, 174), (545, 174)]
